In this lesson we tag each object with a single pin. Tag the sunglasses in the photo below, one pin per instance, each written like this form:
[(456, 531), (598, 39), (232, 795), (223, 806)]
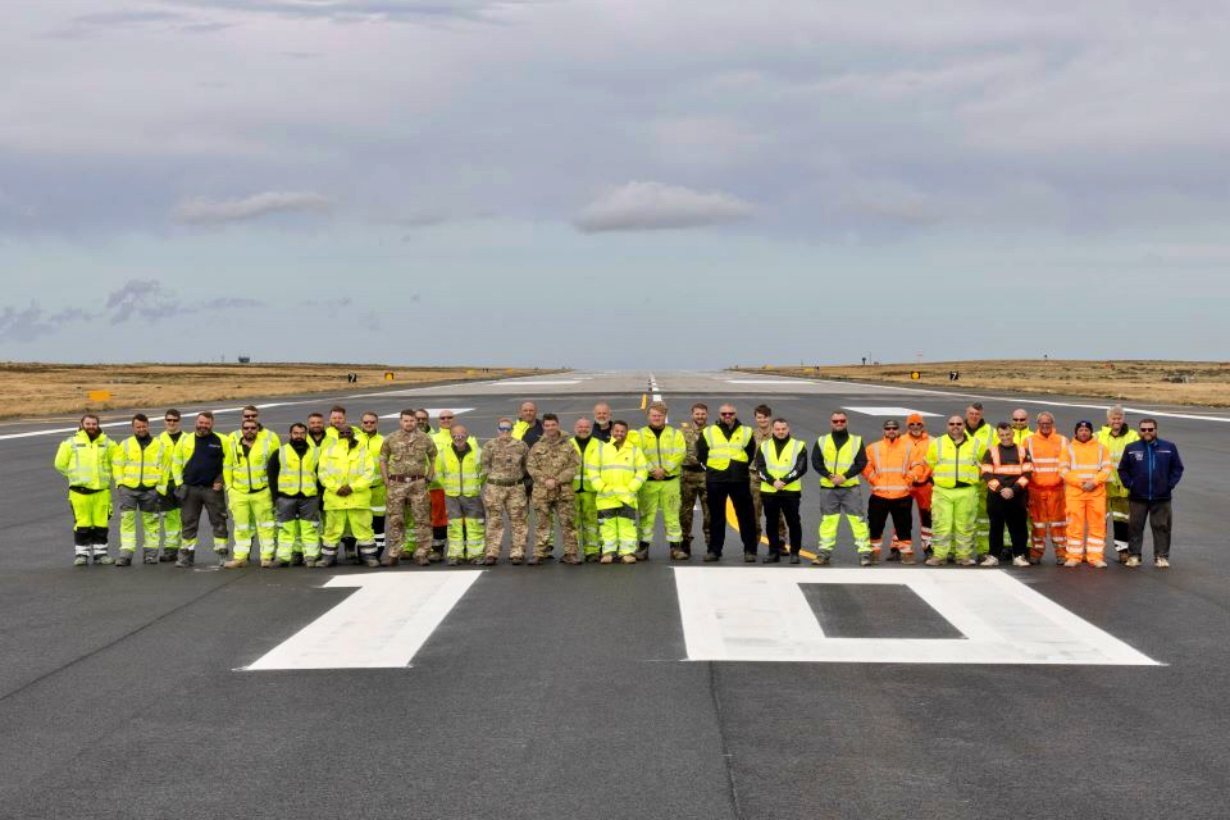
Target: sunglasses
[(1020, 419), (956, 424), (838, 421), (1148, 429), (504, 428)]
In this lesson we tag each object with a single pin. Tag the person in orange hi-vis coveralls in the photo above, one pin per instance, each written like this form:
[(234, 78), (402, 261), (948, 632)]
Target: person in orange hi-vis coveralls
[(1046, 495), (1085, 468), (889, 473), (920, 481)]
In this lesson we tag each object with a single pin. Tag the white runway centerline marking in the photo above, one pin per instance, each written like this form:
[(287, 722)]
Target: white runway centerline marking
[(382, 625), (433, 412), (762, 615), (887, 411)]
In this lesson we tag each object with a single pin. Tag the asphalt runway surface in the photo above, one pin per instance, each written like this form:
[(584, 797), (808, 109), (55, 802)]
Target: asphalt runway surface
[(567, 692)]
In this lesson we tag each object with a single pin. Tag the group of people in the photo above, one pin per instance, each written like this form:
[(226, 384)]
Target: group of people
[(333, 490)]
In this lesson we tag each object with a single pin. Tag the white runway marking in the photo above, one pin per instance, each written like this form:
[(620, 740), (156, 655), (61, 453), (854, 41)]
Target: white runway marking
[(382, 625), (543, 382), (795, 382), (762, 615), (433, 412), (887, 411)]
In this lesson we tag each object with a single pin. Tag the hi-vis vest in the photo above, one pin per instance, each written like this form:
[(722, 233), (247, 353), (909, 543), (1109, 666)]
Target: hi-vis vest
[(460, 476), (1116, 445), (135, 466), (248, 472), (592, 445), (373, 444), (984, 437), (665, 451), (951, 462), (778, 466), (724, 450), (889, 478), (85, 463), (838, 461), (297, 474)]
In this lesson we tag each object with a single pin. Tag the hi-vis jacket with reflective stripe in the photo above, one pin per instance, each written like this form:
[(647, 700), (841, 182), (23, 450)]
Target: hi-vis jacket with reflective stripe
[(1085, 461), (297, 475), (723, 450), (984, 436), (263, 432), (1019, 436), (664, 451), (373, 444), (953, 463), (183, 454), (1116, 445), (616, 474), (592, 444), (134, 466), (782, 466), (1045, 453), (343, 465), (248, 472), (839, 461), (919, 445), (891, 467), (460, 476), (85, 463), (997, 471)]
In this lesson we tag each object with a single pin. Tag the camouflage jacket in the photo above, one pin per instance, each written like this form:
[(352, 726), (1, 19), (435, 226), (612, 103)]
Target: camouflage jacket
[(411, 453), (553, 458), (504, 459)]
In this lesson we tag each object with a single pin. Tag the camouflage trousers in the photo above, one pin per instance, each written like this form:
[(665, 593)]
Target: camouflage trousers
[(498, 501), (691, 488), (561, 503), (414, 496)]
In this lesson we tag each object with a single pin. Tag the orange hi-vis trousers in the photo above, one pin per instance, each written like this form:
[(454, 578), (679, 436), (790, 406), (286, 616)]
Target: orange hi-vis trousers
[(1086, 510), (1048, 512)]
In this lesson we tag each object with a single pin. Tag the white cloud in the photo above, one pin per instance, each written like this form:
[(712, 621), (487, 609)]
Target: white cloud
[(647, 206), (214, 212)]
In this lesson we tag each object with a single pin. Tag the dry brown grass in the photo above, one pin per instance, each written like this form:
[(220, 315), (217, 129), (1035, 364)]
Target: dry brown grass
[(1159, 382), (52, 389)]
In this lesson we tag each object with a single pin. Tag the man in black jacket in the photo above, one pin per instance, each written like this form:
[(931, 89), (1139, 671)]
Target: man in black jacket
[(727, 449)]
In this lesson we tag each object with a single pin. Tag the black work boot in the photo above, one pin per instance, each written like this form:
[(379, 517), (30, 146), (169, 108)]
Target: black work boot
[(183, 558)]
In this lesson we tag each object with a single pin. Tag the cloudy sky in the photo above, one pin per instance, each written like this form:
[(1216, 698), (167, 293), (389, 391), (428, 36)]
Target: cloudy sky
[(613, 183)]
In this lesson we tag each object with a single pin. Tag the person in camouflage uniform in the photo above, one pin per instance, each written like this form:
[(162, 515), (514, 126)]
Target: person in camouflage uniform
[(692, 487), (762, 432), (552, 464), (407, 464), (586, 497), (503, 464)]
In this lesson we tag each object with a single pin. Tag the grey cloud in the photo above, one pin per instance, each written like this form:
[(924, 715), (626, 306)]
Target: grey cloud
[(24, 324), (150, 300), (647, 206), (347, 11), (203, 211)]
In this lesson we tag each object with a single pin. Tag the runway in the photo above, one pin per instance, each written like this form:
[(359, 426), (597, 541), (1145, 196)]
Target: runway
[(609, 691)]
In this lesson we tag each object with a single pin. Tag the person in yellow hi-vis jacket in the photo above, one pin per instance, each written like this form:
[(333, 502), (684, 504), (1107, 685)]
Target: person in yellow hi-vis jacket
[(664, 448), (141, 467), (84, 458), (616, 474), (955, 461), (249, 496), (459, 466), (840, 459), (347, 472), (587, 445)]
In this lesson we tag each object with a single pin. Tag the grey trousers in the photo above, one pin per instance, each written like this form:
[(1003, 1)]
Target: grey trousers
[(298, 509), (214, 503), (1158, 515)]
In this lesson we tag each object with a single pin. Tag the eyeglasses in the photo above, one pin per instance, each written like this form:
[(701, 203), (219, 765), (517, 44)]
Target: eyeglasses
[(420, 418), (459, 438), (504, 428), (725, 414), (915, 424), (894, 427), (838, 421), (1148, 429), (956, 424), (1020, 419)]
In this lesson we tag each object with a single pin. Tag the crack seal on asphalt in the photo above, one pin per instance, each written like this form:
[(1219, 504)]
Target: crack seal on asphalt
[(731, 790)]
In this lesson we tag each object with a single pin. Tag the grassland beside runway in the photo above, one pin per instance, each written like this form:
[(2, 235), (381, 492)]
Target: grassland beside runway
[(38, 389), (1161, 382)]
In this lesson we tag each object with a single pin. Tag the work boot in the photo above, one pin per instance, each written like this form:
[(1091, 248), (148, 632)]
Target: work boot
[(326, 561), (1071, 562), (125, 560), (749, 557), (1122, 555), (679, 555), (149, 556), (773, 558), (371, 561), (516, 560), (1132, 562), (894, 554), (571, 560), (310, 563), (821, 560), (235, 563), (794, 559), (711, 557), (451, 561), (642, 551), (1098, 564), (297, 560), (422, 560), (436, 556), (906, 558), (267, 563), (81, 561), (628, 559), (490, 561), (866, 560), (390, 560), (185, 558), (967, 562), (934, 562), (591, 557), (221, 550), (607, 558), (104, 560), (168, 555)]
